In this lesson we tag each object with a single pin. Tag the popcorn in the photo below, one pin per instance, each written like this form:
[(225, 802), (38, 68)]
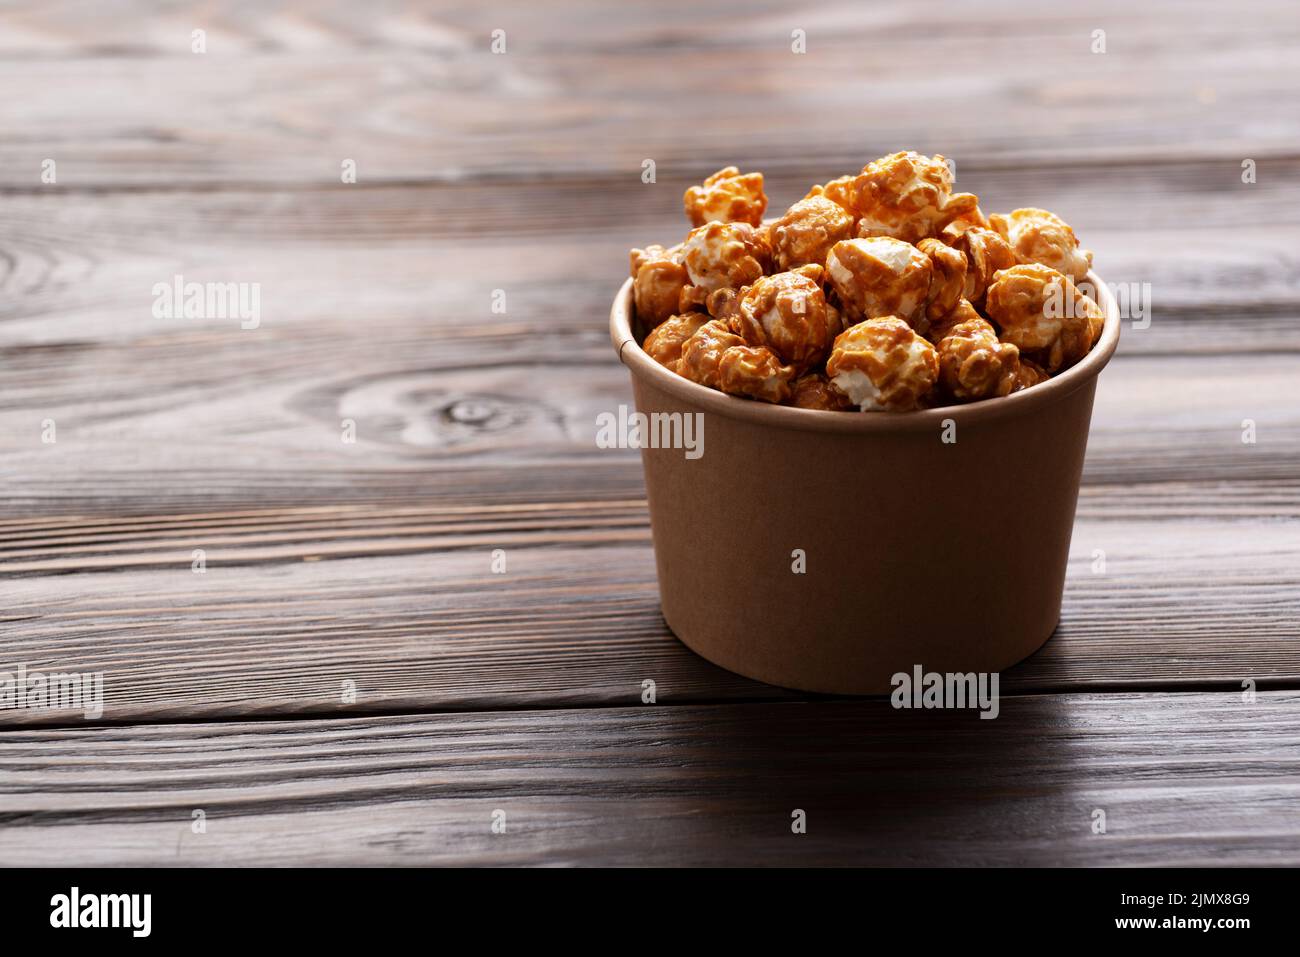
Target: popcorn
[(702, 353), (716, 357), (1030, 374), (755, 372), (1037, 236), (882, 365), (986, 252), (962, 223), (808, 230), (664, 344), (947, 278), (727, 197), (657, 283), (881, 290), (787, 313), (906, 196), (1041, 312), (814, 391), (724, 255), (973, 364), (879, 277)]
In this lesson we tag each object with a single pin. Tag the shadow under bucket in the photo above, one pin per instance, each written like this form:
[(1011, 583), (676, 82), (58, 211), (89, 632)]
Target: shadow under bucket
[(915, 551)]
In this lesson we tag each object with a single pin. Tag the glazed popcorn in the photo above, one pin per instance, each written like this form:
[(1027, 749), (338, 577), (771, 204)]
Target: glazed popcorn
[(881, 364), (755, 372), (808, 230), (1031, 373), (879, 277), (787, 313), (879, 291), (973, 363), (906, 196), (658, 279), (724, 255), (947, 278), (702, 352), (1037, 236), (716, 357), (727, 197), (1041, 312), (814, 391), (986, 252), (665, 342)]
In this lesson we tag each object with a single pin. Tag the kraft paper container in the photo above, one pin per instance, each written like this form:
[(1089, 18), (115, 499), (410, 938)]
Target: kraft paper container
[(948, 556)]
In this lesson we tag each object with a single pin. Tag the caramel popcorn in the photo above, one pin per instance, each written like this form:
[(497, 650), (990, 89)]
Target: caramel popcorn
[(1030, 374), (702, 352), (986, 252), (879, 277), (716, 357), (881, 290), (807, 231), (1041, 312), (787, 313), (1037, 236), (882, 365), (657, 283), (973, 364), (727, 197), (947, 278), (724, 255), (664, 344), (906, 196), (814, 391), (755, 372)]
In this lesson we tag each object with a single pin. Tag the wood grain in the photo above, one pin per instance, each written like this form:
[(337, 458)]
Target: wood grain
[(1200, 587), (1201, 779), (413, 93)]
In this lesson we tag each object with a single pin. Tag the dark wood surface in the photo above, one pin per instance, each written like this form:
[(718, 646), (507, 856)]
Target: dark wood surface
[(369, 562)]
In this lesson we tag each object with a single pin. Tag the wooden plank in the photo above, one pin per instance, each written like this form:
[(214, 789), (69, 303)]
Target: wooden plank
[(1201, 779), (1200, 585), (260, 430), (416, 95)]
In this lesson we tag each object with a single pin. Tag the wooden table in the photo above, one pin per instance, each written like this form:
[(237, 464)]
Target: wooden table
[(333, 565)]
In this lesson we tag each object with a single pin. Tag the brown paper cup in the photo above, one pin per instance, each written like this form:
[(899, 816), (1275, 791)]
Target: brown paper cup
[(915, 551)]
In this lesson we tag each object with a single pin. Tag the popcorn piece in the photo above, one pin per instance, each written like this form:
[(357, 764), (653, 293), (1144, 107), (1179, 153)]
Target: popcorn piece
[(906, 196), (1037, 236), (881, 364), (973, 364), (986, 252), (727, 197), (1030, 374), (1040, 311), (962, 223), (756, 372), (702, 353), (947, 278), (657, 283), (814, 391), (664, 344), (719, 304), (879, 277), (808, 230), (725, 255), (786, 313)]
